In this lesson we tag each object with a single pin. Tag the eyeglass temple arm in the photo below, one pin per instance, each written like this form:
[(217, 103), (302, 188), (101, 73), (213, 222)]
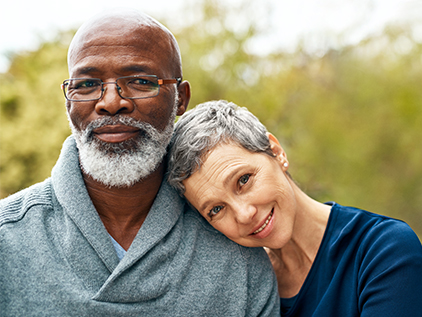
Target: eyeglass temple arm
[(169, 81)]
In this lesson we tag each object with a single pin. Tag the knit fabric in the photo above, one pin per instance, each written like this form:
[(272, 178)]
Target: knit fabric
[(57, 259), (367, 265)]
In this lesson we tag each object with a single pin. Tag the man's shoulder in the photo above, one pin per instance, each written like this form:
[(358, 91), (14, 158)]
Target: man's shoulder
[(194, 218), (211, 236), (14, 207), (201, 229)]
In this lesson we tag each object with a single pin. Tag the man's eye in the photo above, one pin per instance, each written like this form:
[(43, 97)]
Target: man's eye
[(141, 81), (85, 84), (141, 84), (90, 83), (244, 179), (215, 211)]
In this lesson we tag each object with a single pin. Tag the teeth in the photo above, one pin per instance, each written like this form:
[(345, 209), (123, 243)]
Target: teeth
[(265, 223)]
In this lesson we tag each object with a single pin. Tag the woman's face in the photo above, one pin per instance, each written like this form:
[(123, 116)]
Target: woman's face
[(247, 196)]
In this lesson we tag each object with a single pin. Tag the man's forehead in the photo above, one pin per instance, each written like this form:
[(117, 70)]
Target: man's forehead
[(120, 27), (118, 32), (119, 20), (131, 38), (130, 32)]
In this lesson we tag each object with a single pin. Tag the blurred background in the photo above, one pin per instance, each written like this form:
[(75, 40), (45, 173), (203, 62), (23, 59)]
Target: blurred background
[(337, 81)]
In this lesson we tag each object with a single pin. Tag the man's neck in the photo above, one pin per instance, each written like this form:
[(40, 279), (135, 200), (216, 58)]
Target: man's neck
[(123, 210)]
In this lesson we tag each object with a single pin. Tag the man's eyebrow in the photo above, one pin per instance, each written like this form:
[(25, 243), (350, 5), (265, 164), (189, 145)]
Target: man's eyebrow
[(90, 70), (135, 69), (85, 71)]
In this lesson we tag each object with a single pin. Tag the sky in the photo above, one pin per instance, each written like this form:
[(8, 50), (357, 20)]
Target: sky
[(24, 22)]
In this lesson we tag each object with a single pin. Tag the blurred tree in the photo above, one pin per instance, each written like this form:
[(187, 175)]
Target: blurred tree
[(215, 48), (352, 123), (32, 115), (350, 120)]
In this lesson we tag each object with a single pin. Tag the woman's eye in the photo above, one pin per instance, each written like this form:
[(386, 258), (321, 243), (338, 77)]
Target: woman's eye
[(215, 211), (244, 179)]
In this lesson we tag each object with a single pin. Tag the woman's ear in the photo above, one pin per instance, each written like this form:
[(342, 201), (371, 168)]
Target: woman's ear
[(277, 150)]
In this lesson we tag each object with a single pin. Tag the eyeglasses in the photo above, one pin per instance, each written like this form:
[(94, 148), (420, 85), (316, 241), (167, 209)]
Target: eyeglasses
[(128, 87)]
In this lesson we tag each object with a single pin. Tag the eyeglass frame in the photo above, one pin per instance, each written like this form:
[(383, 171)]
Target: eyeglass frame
[(160, 81)]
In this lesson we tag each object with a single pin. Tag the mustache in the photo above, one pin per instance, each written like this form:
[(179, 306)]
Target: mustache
[(88, 131)]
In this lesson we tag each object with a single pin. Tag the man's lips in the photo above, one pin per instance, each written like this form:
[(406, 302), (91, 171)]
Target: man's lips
[(115, 133)]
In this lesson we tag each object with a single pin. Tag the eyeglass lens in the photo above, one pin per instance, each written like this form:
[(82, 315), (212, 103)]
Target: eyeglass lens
[(132, 87)]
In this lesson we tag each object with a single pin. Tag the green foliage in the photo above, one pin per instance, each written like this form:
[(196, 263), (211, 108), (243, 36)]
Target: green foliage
[(350, 120), (214, 51), (33, 119)]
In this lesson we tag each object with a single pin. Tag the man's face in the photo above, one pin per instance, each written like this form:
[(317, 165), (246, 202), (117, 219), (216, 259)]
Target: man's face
[(113, 130)]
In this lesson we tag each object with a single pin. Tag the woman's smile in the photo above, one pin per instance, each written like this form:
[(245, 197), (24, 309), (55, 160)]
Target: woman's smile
[(244, 195), (265, 229)]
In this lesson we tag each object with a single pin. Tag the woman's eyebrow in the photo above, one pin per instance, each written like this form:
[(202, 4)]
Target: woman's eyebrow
[(226, 182), (230, 176), (204, 205)]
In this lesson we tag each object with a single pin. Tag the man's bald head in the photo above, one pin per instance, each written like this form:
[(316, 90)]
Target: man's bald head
[(123, 26)]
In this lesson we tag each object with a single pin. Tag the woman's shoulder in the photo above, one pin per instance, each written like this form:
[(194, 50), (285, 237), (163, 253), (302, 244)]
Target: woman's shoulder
[(356, 218), (368, 261), (371, 230)]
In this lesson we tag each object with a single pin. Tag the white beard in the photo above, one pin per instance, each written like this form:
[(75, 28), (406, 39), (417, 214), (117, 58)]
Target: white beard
[(125, 163)]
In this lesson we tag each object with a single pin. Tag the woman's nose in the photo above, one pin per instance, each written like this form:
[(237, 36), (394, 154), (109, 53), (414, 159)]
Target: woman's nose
[(111, 103), (245, 213)]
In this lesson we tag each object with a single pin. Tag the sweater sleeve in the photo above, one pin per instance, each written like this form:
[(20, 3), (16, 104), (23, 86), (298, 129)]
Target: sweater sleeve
[(390, 274), (261, 277)]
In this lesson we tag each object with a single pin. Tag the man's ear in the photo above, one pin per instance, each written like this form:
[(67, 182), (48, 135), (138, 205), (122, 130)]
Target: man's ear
[(184, 97), (276, 148)]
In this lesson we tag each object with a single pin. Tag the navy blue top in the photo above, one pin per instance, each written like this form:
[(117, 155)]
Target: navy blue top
[(367, 265)]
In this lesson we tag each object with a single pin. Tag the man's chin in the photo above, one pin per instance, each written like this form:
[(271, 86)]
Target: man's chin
[(120, 164), (113, 171)]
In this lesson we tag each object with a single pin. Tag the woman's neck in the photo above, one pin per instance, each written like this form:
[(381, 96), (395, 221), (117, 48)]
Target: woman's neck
[(294, 260)]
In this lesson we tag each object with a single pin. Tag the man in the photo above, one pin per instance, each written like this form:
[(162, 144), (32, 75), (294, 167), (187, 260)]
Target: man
[(106, 235)]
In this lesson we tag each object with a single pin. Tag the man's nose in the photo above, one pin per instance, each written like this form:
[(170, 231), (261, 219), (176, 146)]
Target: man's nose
[(111, 103)]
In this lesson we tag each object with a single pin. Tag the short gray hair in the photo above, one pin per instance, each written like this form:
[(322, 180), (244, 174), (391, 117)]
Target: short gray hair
[(201, 129)]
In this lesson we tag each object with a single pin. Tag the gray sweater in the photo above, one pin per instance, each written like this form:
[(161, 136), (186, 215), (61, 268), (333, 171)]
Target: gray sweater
[(57, 259)]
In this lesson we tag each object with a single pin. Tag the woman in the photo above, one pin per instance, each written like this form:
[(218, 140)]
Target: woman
[(330, 260)]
